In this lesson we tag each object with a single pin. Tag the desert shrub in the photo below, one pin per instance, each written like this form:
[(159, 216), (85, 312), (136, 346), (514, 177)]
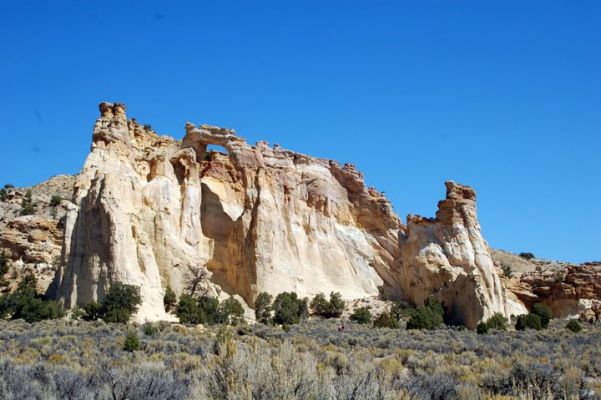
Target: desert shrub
[(77, 313), (208, 310), (536, 379), (433, 386), (402, 309), (35, 309), (424, 318), (527, 256), (263, 307), (428, 316), (497, 322), (149, 328), (27, 206), (147, 127), (327, 309), (230, 311), (188, 311), (482, 328), (55, 200), (9, 186), (319, 304), (435, 305), (169, 299), (3, 194), (209, 307), (92, 311), (336, 305), (544, 312), (386, 320), (26, 304), (528, 321), (132, 342), (121, 302), (361, 315), (288, 308), (3, 264), (573, 326), (506, 271)]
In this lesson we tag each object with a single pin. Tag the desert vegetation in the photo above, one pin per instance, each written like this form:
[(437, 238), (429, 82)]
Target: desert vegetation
[(66, 359)]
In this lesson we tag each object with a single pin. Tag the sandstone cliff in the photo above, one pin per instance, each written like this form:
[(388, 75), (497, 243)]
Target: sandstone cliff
[(448, 257), (261, 218)]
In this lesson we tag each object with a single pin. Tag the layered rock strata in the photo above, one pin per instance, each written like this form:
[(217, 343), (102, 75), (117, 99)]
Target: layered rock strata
[(447, 257), (260, 218)]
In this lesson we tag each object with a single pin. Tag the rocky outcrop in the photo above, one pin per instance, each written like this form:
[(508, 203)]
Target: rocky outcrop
[(260, 218), (32, 243), (447, 257), (569, 292), (147, 207)]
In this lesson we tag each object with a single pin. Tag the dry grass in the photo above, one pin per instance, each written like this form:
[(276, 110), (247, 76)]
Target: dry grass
[(78, 360)]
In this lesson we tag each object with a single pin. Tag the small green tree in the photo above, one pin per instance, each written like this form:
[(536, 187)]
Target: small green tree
[(263, 307), (528, 321), (92, 311), (287, 308), (230, 311), (507, 271), (328, 309), (169, 299), (188, 311), (402, 309), (336, 307), (573, 326), (55, 200), (25, 303), (319, 305), (27, 206), (544, 312), (386, 320), (497, 322), (209, 307), (424, 318), (3, 194), (121, 302), (132, 342), (527, 256), (428, 316), (361, 315)]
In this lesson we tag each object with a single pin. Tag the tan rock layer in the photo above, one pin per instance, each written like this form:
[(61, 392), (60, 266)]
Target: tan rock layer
[(260, 218)]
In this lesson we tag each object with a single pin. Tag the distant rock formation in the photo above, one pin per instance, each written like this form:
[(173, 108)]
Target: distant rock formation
[(448, 257), (260, 218), (32, 243)]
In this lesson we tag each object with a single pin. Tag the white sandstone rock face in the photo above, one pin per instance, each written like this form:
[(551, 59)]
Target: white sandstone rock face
[(261, 219), (447, 257)]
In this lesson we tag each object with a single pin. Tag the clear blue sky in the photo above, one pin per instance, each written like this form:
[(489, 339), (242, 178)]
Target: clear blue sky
[(501, 95)]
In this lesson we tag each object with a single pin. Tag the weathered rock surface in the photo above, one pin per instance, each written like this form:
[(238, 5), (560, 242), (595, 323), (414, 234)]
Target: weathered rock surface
[(146, 207), (447, 257), (261, 219), (32, 243), (568, 292)]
